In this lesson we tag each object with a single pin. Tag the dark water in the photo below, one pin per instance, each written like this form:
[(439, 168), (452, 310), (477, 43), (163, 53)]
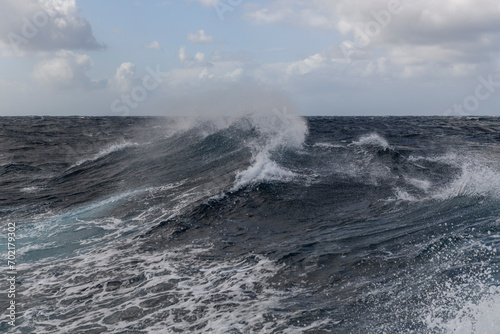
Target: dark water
[(256, 224)]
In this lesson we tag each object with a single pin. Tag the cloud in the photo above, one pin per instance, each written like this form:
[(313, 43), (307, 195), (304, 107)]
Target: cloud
[(206, 3), (199, 57), (307, 65), (200, 37), (44, 25), (417, 38), (187, 60), (66, 71), (463, 26), (182, 54), (125, 78), (313, 13), (221, 68), (214, 69), (155, 45)]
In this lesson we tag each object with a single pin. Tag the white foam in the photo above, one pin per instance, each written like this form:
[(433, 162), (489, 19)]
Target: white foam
[(477, 177), (64, 228), (424, 185), (449, 157), (468, 301), (482, 316), (29, 190), (403, 195), (278, 129), (106, 151), (373, 139), (215, 296), (262, 169), (328, 145), (34, 247)]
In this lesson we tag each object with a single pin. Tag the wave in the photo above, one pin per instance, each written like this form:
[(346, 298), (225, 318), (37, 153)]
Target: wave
[(267, 134), (374, 140), (263, 169), (106, 151), (328, 145), (98, 222), (475, 177), (420, 177), (281, 130)]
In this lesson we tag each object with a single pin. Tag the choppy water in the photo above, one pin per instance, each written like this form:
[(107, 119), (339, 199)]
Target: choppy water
[(264, 223)]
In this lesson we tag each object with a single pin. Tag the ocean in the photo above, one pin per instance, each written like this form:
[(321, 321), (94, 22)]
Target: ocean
[(261, 223)]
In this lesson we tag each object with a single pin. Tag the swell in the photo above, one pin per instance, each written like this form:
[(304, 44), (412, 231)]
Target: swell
[(101, 162)]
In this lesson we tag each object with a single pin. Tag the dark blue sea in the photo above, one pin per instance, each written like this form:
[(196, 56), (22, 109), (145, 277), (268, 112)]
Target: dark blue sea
[(262, 223)]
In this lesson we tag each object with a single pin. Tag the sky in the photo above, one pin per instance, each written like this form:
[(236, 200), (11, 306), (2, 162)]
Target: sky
[(183, 57)]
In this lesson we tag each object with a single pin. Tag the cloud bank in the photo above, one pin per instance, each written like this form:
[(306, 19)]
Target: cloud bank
[(44, 25)]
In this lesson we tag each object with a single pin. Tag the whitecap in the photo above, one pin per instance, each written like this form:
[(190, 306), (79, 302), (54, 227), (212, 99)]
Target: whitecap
[(373, 139), (263, 169), (106, 151)]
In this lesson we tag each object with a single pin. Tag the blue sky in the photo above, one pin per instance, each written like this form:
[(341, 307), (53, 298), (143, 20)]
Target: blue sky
[(318, 57)]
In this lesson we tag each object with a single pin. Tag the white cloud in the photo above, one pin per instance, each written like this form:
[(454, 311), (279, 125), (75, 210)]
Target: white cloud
[(265, 15), (427, 17), (200, 37), (235, 74), (307, 65), (125, 77), (182, 54), (155, 45), (310, 13), (187, 60), (199, 57), (417, 37), (43, 25), (320, 68), (67, 70), (426, 21), (206, 3), (200, 70)]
